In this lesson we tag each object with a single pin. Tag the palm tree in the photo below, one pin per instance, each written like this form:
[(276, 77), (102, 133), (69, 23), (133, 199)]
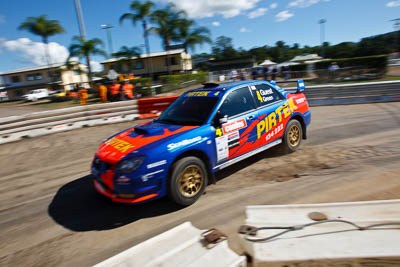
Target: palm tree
[(128, 53), (43, 27), (140, 13), (71, 65), (167, 21), (190, 36), (83, 48)]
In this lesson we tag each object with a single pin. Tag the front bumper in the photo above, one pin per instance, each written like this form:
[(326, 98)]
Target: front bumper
[(114, 197)]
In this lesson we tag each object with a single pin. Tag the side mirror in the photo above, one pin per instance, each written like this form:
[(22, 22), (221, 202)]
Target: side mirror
[(220, 119), (300, 86), (223, 120)]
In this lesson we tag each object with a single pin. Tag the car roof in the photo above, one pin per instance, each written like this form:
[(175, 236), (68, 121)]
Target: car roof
[(228, 85)]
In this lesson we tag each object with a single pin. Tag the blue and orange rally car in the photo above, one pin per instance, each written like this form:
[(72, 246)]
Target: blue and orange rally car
[(203, 131)]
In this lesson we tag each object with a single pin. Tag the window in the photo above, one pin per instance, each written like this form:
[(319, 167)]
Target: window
[(265, 95), (15, 79), (189, 111), (237, 102), (138, 65), (54, 74), (172, 61), (30, 77), (34, 76)]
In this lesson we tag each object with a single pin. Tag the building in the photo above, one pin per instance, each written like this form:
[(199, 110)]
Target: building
[(306, 57), (153, 63), (56, 77)]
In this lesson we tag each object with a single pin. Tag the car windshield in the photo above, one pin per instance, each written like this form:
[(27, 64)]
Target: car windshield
[(188, 111)]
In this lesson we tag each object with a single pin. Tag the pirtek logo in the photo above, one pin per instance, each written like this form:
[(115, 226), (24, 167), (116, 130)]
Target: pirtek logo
[(119, 144), (275, 117)]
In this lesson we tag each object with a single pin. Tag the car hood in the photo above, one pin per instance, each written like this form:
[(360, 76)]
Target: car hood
[(116, 147)]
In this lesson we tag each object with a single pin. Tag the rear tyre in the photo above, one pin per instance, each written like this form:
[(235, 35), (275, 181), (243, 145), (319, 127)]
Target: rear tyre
[(292, 137), (188, 181)]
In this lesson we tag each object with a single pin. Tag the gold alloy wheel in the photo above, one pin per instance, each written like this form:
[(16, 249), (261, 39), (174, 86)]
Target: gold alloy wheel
[(190, 180), (294, 135)]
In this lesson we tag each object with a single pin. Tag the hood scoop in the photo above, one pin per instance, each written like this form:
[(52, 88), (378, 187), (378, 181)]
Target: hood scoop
[(146, 131)]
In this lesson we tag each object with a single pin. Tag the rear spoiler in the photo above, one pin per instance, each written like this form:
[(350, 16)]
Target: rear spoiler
[(300, 85)]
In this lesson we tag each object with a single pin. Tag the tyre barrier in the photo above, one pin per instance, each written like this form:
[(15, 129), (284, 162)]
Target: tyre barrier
[(153, 105), (182, 246), (16, 128)]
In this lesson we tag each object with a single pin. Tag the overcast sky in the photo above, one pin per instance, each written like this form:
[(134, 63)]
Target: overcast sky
[(249, 22)]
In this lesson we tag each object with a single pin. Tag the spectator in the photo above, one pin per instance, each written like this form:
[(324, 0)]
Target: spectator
[(265, 73), (273, 74), (127, 91), (254, 74), (102, 92), (286, 72), (83, 95), (243, 75), (115, 93), (333, 68), (233, 74)]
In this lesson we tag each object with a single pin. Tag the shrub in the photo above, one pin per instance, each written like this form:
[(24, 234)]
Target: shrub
[(142, 86)]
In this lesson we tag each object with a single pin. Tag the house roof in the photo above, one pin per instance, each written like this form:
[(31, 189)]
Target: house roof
[(155, 54), (306, 57), (34, 68)]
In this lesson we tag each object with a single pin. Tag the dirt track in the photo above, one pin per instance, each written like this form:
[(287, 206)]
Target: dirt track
[(50, 214)]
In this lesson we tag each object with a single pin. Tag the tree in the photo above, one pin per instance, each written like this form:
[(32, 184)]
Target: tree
[(167, 21), (223, 48), (84, 48), (141, 12), (43, 27), (191, 36), (72, 65), (128, 53)]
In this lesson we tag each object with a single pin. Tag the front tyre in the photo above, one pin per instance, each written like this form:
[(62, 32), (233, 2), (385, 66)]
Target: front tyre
[(188, 181), (292, 136)]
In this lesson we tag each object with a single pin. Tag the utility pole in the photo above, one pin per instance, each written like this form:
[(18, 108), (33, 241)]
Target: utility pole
[(78, 8), (396, 26), (322, 35), (108, 28)]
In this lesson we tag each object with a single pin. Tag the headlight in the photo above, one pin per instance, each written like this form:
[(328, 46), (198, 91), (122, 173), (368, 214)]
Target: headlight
[(130, 165)]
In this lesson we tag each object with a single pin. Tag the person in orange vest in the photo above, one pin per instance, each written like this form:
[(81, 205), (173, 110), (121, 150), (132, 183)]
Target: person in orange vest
[(83, 95), (127, 91), (102, 92), (115, 91)]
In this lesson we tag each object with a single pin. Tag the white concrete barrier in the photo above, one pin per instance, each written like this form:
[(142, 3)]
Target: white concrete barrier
[(182, 246), (17, 136), (324, 234)]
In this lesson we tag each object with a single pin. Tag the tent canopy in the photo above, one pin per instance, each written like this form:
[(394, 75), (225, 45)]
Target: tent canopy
[(267, 62)]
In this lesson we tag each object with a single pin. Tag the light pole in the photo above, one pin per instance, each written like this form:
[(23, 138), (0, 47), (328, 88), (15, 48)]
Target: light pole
[(396, 26), (322, 35), (108, 27), (78, 8)]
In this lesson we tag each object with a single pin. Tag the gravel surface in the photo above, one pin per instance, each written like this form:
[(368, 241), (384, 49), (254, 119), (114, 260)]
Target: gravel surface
[(50, 214)]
